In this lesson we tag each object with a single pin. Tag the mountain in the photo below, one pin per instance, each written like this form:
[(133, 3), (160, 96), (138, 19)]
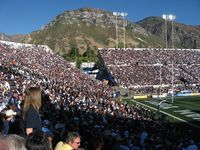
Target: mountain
[(13, 38), (87, 29), (185, 36), (90, 28)]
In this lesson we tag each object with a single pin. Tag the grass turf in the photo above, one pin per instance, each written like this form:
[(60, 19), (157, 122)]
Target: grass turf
[(185, 108)]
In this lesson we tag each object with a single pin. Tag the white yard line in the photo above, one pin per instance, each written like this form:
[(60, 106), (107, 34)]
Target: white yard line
[(167, 114)]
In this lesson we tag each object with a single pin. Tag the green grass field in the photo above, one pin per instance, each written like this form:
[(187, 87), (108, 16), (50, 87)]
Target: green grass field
[(184, 109)]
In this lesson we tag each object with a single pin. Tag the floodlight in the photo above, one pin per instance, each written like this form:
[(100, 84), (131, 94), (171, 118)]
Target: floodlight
[(170, 17), (164, 16), (114, 13)]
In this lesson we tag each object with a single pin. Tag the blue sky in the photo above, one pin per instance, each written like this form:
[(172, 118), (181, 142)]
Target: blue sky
[(25, 16)]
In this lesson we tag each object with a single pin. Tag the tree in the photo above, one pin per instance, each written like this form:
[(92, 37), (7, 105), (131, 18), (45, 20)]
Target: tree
[(73, 53), (89, 53)]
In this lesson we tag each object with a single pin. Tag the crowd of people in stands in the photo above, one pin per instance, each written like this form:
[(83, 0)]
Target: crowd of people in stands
[(144, 67), (73, 110)]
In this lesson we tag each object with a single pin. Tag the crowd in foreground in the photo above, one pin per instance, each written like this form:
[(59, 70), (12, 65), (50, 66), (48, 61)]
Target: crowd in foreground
[(72, 110)]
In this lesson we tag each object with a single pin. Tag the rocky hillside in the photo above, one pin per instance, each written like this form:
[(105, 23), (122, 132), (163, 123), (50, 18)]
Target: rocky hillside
[(88, 28), (185, 36), (93, 28)]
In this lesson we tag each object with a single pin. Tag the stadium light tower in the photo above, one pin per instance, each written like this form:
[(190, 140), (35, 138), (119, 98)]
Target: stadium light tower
[(124, 15), (165, 17), (170, 18), (160, 80), (116, 14)]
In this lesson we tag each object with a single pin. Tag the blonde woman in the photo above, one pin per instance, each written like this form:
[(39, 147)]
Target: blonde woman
[(32, 104)]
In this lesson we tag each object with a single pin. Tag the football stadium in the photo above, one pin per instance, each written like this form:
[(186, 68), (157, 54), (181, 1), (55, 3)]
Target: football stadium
[(115, 98), (174, 89), (142, 92)]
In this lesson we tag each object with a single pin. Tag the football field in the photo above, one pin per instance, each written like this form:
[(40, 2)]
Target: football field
[(183, 109)]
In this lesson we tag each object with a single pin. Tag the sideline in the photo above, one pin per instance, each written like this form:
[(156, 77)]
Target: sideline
[(167, 114)]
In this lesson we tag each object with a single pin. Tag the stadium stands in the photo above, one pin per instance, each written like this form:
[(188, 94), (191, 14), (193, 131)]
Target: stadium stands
[(73, 101), (146, 67)]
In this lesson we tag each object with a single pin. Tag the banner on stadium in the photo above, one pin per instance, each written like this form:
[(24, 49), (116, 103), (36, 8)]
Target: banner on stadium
[(140, 97), (194, 94), (159, 96), (183, 94)]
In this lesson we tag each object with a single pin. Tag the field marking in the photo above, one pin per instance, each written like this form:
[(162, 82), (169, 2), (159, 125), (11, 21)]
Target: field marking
[(163, 106), (168, 114), (185, 112)]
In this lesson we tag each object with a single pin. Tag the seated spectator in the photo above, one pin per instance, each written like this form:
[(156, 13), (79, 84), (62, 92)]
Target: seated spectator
[(37, 140), (192, 146), (3, 143), (96, 143), (9, 118), (72, 142), (12, 142)]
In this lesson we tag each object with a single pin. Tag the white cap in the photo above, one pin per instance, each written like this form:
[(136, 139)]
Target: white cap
[(10, 112)]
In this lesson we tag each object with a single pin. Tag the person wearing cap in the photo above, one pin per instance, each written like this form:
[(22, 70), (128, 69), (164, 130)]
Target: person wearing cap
[(9, 116), (13, 100), (72, 142), (46, 129), (32, 104)]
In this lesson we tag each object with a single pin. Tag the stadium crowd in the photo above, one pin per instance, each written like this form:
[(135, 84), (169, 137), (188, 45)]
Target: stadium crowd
[(76, 109), (146, 67)]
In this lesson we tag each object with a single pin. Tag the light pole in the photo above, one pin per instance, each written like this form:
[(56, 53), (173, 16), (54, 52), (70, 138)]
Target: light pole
[(165, 17), (160, 80), (90, 57), (116, 14), (124, 15), (170, 18)]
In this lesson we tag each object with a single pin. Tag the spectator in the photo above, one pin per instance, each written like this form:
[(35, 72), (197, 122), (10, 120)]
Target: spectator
[(9, 118), (12, 142), (3, 143), (31, 108), (1, 124), (37, 140), (72, 142), (192, 146)]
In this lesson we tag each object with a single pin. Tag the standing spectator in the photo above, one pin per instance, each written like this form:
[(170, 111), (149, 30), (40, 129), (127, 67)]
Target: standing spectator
[(72, 142), (31, 108)]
